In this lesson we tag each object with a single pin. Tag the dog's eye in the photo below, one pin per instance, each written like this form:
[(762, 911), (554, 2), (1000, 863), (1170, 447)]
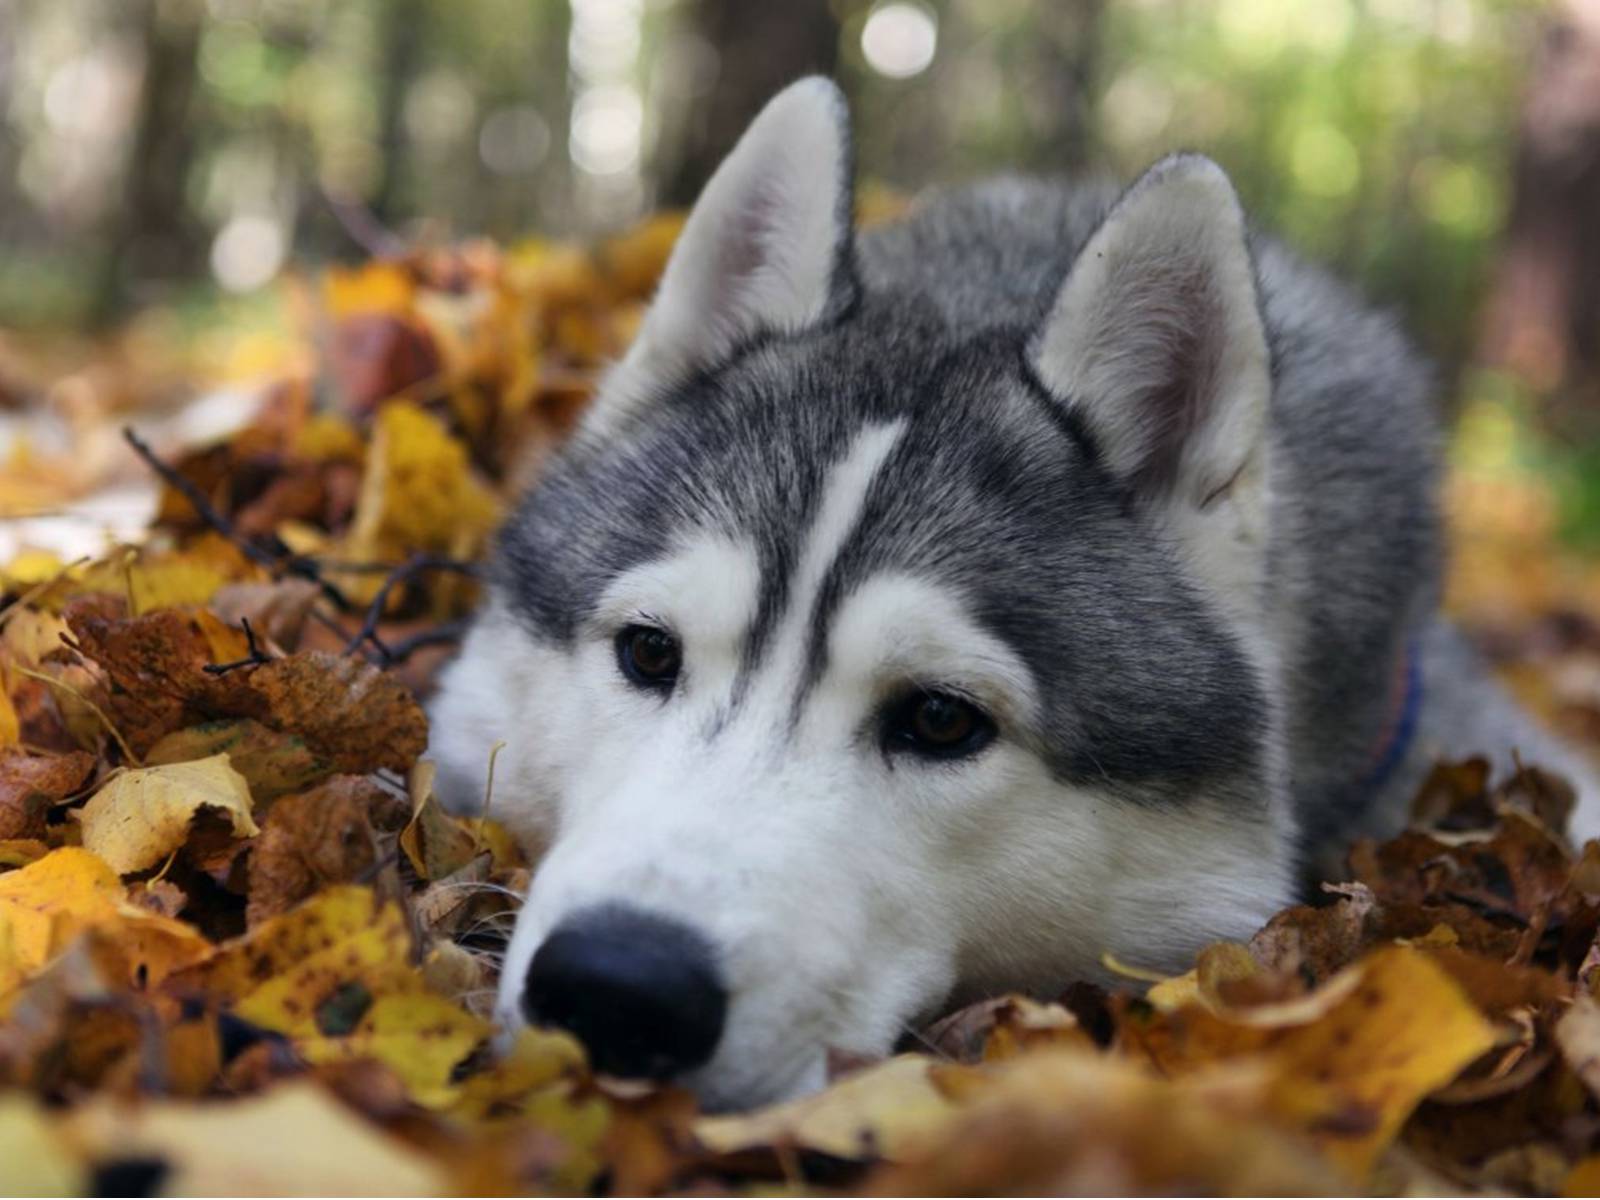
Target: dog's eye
[(939, 725), (649, 657)]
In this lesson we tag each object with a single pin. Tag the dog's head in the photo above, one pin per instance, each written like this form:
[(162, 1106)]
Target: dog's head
[(869, 650)]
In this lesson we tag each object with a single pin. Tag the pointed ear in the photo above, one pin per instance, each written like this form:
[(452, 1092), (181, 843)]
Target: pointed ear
[(767, 247), (1155, 340)]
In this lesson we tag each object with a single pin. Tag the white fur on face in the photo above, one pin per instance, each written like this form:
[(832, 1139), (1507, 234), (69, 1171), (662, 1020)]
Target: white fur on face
[(846, 890)]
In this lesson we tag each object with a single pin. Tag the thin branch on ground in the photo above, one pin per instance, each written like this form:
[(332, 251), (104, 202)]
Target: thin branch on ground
[(407, 571), (253, 659), (294, 564)]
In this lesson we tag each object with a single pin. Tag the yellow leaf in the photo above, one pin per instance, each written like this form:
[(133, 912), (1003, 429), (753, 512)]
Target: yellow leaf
[(10, 727), (37, 1162), (878, 1112), (374, 287), (293, 1140), (48, 903), (31, 634), (417, 493), (289, 964), (537, 1060), (19, 852), (421, 1037), (336, 976), (141, 816), (31, 567), (1351, 1061), (328, 437)]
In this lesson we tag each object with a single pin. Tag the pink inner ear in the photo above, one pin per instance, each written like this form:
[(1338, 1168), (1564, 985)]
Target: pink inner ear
[(1160, 337), (744, 245)]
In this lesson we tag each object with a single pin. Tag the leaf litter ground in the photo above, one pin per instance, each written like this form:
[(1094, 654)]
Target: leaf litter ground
[(244, 950)]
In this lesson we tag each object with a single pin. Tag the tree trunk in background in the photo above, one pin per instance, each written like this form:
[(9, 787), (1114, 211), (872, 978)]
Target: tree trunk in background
[(151, 235), (402, 31), (760, 48), (1065, 64), (1543, 318)]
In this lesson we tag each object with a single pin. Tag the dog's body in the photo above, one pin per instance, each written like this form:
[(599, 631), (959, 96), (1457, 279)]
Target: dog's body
[(926, 613)]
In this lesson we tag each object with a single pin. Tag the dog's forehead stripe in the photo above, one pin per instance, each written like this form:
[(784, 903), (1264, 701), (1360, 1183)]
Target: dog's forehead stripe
[(844, 497)]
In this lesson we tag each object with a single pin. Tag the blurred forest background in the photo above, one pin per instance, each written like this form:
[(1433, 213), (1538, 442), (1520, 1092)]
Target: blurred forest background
[(164, 162)]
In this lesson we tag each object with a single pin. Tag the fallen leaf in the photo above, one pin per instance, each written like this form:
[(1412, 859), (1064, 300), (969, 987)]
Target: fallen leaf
[(139, 817), (436, 842), (1066, 1122), (271, 762), (37, 1160), (49, 902), (31, 784), (350, 713), (292, 1140), (881, 1112), (318, 838), (1350, 1061)]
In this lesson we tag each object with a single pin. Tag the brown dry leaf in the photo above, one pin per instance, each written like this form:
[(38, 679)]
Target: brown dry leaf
[(140, 816), (277, 611), (437, 843), (293, 1140), (1517, 869), (31, 784), (317, 838), (350, 713), (153, 665), (271, 762), (1583, 1179)]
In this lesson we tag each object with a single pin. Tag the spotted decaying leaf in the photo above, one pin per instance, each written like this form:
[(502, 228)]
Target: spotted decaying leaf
[(244, 948), (30, 785)]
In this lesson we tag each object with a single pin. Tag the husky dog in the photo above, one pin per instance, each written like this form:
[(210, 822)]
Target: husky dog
[(922, 613)]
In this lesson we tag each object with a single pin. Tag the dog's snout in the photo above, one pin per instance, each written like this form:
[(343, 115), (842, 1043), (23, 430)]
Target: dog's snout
[(640, 991)]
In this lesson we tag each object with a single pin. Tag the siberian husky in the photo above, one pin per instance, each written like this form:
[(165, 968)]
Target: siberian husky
[(922, 613)]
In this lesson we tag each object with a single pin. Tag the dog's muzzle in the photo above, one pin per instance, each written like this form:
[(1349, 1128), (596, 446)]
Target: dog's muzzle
[(641, 992)]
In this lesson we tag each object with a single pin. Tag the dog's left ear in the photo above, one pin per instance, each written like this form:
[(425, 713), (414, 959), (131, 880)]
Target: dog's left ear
[(1156, 343), (767, 247)]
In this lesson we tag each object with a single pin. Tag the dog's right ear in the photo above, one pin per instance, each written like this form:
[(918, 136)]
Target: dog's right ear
[(767, 247)]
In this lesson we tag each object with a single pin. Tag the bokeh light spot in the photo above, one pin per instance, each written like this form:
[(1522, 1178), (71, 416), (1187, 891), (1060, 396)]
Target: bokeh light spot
[(899, 39)]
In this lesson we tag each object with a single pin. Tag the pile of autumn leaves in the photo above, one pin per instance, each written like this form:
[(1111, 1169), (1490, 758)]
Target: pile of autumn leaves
[(243, 949)]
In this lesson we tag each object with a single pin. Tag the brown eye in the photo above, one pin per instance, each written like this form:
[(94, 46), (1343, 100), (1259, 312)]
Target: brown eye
[(938, 725), (649, 657)]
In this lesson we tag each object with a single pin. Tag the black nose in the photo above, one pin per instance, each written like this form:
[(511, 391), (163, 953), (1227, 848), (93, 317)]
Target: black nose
[(639, 991)]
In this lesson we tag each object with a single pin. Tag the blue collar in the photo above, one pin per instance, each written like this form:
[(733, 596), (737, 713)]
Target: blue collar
[(1402, 730)]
